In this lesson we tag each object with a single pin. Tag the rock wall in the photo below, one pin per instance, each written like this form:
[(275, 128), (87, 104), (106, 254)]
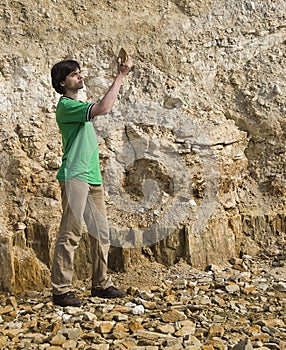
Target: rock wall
[(193, 153)]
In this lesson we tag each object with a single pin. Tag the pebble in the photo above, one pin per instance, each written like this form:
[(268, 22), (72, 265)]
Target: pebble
[(218, 309), (138, 310)]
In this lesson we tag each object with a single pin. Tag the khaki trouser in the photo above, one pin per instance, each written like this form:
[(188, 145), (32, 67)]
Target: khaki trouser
[(81, 203)]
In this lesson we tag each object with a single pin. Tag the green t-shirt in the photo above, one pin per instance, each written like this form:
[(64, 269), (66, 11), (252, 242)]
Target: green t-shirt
[(80, 158)]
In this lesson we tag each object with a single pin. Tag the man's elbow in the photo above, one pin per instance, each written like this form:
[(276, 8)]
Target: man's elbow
[(106, 110), (104, 107)]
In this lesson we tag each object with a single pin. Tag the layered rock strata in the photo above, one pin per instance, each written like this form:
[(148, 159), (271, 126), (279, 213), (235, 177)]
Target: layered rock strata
[(193, 154)]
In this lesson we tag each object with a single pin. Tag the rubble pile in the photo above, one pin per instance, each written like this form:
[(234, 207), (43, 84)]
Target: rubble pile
[(240, 307)]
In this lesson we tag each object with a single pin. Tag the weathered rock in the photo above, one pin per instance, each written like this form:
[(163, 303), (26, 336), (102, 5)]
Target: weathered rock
[(216, 331), (104, 326), (243, 345), (173, 316), (193, 154), (7, 271)]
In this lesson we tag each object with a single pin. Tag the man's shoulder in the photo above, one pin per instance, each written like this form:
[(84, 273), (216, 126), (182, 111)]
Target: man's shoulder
[(67, 102)]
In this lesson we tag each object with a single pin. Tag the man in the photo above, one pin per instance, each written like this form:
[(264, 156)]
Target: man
[(81, 183)]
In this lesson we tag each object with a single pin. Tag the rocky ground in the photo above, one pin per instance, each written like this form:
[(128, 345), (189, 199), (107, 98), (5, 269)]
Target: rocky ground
[(239, 306)]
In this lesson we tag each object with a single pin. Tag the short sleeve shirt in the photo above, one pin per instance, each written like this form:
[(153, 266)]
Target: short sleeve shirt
[(80, 148)]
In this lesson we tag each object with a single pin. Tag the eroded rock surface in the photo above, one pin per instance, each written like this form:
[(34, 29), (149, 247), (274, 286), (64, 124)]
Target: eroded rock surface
[(193, 154)]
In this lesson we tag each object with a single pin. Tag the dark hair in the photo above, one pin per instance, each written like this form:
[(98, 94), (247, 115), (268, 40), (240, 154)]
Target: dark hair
[(59, 73)]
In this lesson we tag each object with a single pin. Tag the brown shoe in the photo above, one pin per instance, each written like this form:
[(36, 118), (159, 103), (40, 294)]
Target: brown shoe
[(110, 292), (66, 299)]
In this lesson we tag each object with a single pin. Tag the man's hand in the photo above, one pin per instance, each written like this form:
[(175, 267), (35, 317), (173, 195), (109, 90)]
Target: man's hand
[(124, 68), (105, 105)]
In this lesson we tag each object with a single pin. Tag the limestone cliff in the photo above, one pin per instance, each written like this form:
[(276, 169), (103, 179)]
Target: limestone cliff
[(193, 153)]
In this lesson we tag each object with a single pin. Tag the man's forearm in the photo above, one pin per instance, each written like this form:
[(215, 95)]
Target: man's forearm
[(107, 102)]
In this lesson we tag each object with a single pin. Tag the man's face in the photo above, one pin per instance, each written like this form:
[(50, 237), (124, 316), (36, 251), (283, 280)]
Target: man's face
[(74, 81)]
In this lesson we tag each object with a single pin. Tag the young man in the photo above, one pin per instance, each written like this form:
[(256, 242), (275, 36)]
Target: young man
[(81, 183)]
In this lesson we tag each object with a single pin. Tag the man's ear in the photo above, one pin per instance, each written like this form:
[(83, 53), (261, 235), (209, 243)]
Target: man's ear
[(62, 83)]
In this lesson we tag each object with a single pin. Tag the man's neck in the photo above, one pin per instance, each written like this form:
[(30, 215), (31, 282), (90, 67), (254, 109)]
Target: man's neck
[(71, 94)]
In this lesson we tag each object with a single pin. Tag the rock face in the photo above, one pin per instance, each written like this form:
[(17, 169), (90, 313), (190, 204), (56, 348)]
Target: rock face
[(193, 153)]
